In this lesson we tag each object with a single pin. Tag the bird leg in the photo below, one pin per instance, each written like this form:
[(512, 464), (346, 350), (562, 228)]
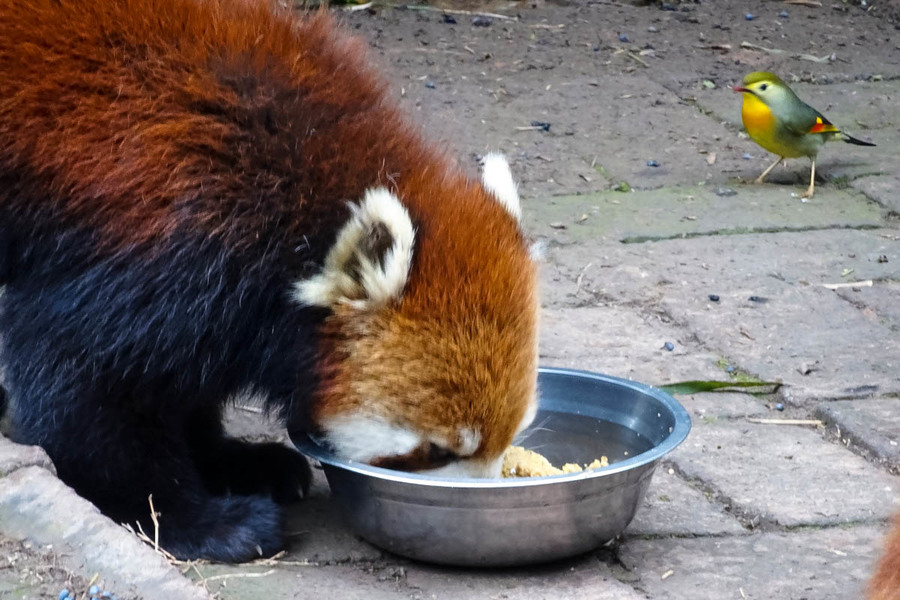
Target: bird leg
[(812, 181), (762, 177)]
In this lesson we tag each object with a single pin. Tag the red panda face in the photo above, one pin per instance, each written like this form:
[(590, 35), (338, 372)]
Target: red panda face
[(429, 360)]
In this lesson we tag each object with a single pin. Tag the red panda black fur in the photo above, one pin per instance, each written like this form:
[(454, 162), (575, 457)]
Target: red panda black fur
[(204, 197)]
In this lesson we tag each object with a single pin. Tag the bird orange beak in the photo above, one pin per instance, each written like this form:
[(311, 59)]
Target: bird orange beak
[(738, 89)]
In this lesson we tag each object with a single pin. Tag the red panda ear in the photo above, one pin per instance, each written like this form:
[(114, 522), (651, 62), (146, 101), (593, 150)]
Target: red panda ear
[(369, 263), (498, 181)]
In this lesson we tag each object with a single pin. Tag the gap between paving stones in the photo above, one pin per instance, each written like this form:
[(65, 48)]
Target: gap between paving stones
[(860, 447), (748, 517), (849, 423), (741, 231), (710, 497), (653, 309), (791, 476)]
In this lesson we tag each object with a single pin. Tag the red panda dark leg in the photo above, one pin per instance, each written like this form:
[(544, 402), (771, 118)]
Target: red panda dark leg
[(118, 461), (118, 435), (232, 466)]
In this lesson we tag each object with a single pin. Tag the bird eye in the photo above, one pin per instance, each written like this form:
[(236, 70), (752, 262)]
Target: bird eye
[(764, 87)]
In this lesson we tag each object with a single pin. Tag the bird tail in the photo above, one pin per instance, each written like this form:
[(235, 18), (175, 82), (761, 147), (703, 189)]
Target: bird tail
[(852, 140)]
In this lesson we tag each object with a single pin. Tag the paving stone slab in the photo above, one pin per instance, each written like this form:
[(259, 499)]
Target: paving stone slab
[(676, 212), (475, 86), (731, 267), (878, 303), (826, 564), (578, 579), (288, 579), (882, 189), (718, 54), (621, 341), (15, 456), (793, 329), (589, 147), (318, 533), (673, 507), (785, 475), (722, 405), (872, 425), (792, 338), (583, 578), (34, 504)]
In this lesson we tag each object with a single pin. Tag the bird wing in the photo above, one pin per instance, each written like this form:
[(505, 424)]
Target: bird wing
[(809, 120), (823, 125)]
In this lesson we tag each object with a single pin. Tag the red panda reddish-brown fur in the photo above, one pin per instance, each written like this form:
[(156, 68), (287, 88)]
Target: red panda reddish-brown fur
[(885, 584), (202, 198)]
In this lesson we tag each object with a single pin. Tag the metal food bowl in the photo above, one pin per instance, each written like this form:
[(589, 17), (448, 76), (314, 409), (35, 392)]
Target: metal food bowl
[(506, 522)]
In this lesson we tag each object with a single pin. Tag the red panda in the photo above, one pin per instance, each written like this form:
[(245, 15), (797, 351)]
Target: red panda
[(885, 584), (204, 197)]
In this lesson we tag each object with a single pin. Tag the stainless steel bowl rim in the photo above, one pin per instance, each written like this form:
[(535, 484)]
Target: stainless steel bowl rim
[(678, 434)]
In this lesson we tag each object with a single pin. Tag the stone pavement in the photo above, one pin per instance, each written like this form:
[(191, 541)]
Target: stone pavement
[(746, 508)]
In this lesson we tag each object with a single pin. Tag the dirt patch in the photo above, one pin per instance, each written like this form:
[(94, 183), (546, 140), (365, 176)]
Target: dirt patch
[(28, 572)]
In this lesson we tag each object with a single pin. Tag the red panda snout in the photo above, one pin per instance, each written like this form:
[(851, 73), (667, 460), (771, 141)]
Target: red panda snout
[(429, 358)]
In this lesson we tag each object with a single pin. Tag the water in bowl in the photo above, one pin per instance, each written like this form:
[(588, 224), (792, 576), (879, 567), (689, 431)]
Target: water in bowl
[(568, 438)]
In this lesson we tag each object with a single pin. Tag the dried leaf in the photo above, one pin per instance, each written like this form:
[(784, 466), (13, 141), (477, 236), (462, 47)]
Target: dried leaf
[(810, 3), (696, 387)]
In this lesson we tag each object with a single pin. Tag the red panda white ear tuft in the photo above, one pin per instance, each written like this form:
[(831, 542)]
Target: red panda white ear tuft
[(498, 181), (369, 263)]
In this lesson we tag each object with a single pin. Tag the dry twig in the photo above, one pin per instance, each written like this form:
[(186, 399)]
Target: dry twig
[(818, 59), (205, 580), (849, 284), (154, 542), (813, 422), (580, 278), (460, 12)]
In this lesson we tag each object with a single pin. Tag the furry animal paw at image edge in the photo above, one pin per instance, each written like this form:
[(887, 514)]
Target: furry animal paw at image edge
[(780, 122), (885, 583)]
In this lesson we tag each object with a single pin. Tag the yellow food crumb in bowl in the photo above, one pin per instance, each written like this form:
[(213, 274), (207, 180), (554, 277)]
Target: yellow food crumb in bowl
[(519, 462)]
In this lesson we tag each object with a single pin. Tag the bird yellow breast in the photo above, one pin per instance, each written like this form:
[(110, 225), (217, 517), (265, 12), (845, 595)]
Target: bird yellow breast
[(760, 125), (756, 115), (758, 120)]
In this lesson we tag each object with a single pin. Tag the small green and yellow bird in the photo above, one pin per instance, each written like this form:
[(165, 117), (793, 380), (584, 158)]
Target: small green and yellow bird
[(783, 124)]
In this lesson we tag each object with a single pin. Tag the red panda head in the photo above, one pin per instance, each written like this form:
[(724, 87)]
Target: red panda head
[(429, 359)]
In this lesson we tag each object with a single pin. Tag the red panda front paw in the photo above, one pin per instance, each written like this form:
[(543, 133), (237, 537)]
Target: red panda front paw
[(223, 529), (271, 468)]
